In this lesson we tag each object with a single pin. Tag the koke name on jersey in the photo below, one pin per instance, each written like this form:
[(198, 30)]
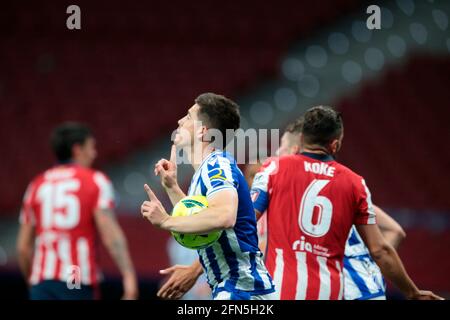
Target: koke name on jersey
[(319, 168)]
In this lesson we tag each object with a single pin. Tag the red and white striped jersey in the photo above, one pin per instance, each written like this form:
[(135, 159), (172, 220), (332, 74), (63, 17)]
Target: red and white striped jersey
[(311, 201), (60, 203)]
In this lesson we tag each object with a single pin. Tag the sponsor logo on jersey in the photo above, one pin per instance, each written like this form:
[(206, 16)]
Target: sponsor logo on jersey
[(303, 245)]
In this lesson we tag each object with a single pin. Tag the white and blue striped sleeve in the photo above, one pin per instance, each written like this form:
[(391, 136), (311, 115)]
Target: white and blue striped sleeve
[(218, 175)]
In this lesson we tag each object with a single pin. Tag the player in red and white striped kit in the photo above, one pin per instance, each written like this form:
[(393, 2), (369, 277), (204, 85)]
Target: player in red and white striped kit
[(311, 202), (64, 210)]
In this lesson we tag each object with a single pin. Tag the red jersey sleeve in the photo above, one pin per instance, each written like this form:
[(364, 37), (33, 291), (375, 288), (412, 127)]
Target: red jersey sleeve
[(105, 198), (365, 213)]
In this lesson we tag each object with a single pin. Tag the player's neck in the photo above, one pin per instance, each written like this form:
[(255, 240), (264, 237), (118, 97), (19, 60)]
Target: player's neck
[(65, 163), (196, 157), (78, 162), (315, 150)]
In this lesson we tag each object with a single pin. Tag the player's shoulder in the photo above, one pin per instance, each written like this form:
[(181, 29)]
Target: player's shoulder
[(224, 155), (345, 171), (220, 159), (291, 159), (283, 162), (96, 179), (100, 174), (269, 160), (269, 166), (91, 175), (100, 178), (55, 172)]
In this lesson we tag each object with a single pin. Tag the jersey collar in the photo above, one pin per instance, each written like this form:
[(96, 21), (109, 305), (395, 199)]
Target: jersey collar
[(320, 157)]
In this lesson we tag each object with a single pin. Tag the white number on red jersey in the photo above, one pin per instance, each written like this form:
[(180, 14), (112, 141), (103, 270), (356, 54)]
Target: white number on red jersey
[(310, 200), (60, 208)]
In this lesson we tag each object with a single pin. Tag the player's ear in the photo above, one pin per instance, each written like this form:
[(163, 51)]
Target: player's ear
[(76, 150), (335, 146), (202, 134)]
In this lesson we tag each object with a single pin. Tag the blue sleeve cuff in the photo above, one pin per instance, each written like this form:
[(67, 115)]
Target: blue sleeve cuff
[(260, 200)]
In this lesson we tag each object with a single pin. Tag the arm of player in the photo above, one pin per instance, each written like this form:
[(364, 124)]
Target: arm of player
[(181, 280), (25, 244), (115, 242), (391, 230), (260, 186), (390, 264), (167, 171), (220, 214), (260, 201)]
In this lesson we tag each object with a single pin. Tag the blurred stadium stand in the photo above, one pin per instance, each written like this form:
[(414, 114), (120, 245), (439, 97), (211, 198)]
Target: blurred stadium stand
[(134, 68), (129, 66)]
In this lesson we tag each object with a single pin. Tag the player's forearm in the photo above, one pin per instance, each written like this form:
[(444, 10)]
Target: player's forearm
[(208, 220), (175, 194), (197, 268), (392, 231), (24, 248), (393, 238), (24, 260), (392, 268)]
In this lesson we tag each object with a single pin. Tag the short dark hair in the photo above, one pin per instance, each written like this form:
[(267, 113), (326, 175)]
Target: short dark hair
[(295, 127), (322, 124), (218, 112), (65, 136)]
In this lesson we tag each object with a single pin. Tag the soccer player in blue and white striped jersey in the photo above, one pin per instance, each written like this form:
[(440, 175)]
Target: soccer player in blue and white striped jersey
[(234, 264), (363, 279)]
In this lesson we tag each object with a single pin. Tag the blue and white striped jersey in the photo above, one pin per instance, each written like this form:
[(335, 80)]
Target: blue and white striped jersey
[(234, 263), (362, 277)]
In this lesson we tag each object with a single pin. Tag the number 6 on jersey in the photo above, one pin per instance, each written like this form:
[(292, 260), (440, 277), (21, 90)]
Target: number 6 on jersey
[(310, 200)]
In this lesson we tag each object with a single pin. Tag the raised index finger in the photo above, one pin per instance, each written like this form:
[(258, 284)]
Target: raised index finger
[(150, 193)]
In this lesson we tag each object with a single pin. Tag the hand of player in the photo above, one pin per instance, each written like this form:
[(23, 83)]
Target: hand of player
[(425, 295), (130, 287), (167, 170), (182, 279), (153, 209)]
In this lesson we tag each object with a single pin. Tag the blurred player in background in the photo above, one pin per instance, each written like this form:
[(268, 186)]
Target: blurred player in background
[(312, 202), (64, 210), (233, 264), (362, 276)]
